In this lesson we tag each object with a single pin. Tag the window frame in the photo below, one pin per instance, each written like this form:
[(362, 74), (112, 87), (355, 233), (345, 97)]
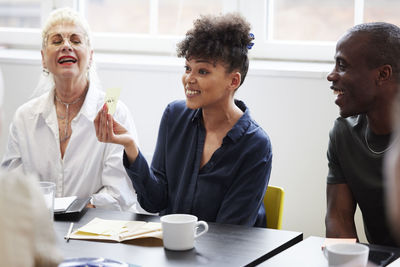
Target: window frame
[(264, 48)]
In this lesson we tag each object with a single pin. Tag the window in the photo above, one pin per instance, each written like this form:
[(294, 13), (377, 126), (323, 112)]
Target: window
[(308, 29), (118, 16), (284, 29), (310, 20), (21, 14), (176, 16), (382, 10), (164, 17)]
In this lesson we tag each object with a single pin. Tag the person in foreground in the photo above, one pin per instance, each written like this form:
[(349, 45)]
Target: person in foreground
[(392, 175), (50, 135), (27, 235), (365, 79), (211, 159)]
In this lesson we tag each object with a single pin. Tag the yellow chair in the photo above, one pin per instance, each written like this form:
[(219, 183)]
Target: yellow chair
[(273, 204)]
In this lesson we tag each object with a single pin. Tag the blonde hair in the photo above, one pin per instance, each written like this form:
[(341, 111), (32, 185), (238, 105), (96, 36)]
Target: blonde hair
[(68, 16)]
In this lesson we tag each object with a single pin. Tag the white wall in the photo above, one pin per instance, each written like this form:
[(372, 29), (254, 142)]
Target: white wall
[(292, 102)]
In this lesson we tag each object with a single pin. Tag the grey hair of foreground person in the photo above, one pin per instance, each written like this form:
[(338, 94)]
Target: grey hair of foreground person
[(27, 235)]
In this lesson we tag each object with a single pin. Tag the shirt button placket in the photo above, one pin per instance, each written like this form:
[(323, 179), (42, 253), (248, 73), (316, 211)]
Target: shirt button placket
[(60, 184)]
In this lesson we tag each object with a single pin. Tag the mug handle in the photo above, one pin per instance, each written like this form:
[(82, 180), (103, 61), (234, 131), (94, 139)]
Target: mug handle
[(205, 225), (325, 251)]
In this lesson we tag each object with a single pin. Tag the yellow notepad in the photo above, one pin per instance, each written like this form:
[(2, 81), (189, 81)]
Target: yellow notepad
[(116, 230)]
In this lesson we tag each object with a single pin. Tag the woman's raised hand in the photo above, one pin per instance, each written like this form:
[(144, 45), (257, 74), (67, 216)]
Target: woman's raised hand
[(109, 130)]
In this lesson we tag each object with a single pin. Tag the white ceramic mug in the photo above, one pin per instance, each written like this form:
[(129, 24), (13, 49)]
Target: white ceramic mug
[(180, 231), (48, 190), (347, 255)]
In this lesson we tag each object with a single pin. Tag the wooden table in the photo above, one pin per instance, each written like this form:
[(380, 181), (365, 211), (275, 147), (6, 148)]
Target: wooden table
[(309, 253), (222, 245)]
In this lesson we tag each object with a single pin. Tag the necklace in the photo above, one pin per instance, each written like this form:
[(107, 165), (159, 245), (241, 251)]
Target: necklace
[(373, 151), (66, 117)]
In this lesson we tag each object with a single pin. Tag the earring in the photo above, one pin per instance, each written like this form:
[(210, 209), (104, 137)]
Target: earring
[(45, 72)]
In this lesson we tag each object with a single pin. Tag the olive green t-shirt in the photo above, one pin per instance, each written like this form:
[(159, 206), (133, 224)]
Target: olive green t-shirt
[(351, 161)]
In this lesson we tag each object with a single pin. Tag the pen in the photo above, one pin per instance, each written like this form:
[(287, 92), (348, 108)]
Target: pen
[(69, 231)]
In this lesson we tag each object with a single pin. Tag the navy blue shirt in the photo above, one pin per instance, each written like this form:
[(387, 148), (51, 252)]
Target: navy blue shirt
[(229, 188)]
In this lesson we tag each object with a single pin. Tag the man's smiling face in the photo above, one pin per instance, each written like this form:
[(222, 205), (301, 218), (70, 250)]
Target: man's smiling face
[(353, 81)]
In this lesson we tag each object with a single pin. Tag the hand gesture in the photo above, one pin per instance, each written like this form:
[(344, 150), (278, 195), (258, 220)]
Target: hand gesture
[(109, 130)]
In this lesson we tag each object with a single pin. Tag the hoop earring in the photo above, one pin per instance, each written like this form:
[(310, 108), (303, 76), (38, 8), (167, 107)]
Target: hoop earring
[(45, 72)]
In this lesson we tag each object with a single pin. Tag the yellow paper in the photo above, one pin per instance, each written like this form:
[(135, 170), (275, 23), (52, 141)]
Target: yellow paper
[(103, 227), (116, 230), (112, 96)]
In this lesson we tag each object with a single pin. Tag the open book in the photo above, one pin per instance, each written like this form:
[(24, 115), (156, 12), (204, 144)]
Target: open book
[(114, 230)]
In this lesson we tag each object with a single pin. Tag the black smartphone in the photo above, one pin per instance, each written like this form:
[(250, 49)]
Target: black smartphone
[(380, 257)]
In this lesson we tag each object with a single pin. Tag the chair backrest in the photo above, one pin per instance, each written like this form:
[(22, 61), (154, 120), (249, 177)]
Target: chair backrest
[(273, 203)]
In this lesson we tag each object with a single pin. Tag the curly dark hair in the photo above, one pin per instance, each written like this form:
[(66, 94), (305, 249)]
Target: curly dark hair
[(383, 44), (223, 38)]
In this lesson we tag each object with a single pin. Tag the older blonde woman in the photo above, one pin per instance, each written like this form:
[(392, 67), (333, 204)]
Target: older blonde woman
[(53, 135)]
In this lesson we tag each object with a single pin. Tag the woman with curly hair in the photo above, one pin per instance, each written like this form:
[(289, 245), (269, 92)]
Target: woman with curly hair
[(211, 159)]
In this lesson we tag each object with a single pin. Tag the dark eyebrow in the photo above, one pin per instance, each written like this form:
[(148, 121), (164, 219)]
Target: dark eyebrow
[(203, 61)]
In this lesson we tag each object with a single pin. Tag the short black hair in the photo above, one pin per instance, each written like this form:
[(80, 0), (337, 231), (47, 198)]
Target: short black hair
[(222, 38), (383, 44)]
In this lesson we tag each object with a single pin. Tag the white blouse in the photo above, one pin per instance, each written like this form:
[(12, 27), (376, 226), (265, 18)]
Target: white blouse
[(89, 167)]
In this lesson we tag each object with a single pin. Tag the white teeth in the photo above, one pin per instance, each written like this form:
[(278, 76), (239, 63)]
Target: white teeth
[(192, 92), (338, 92)]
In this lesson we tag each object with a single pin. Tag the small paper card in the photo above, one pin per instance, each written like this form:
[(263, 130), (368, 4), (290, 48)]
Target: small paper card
[(112, 96), (115, 230)]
